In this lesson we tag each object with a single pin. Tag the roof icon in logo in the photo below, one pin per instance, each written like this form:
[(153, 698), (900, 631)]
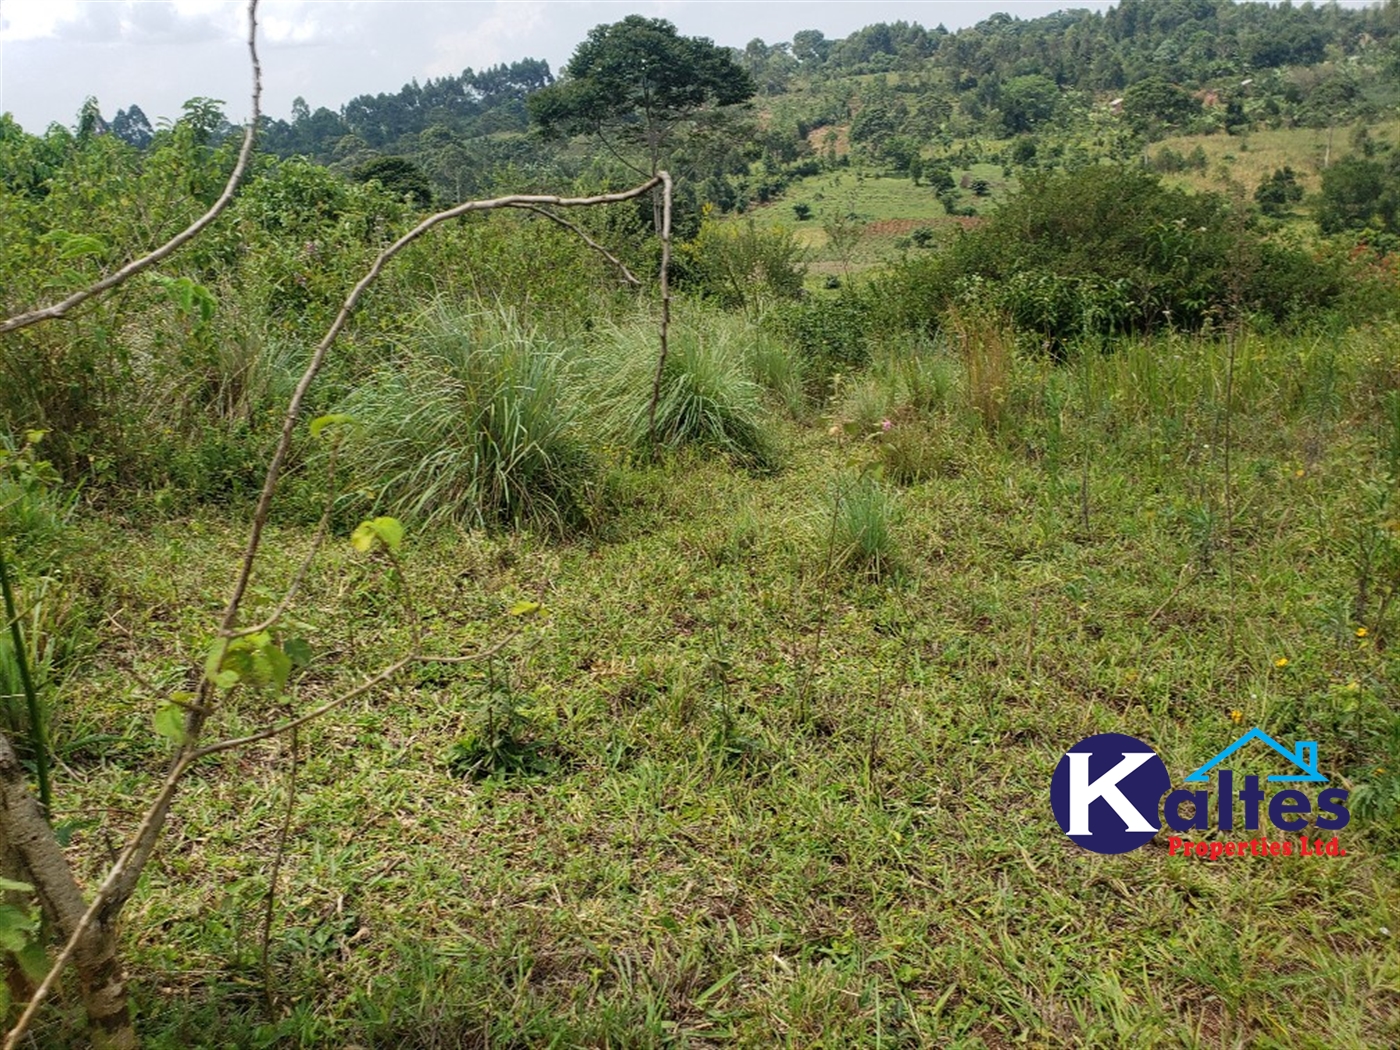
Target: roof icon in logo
[(1304, 756)]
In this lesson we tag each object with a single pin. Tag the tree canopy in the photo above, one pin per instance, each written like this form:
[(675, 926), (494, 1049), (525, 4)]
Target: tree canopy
[(641, 78)]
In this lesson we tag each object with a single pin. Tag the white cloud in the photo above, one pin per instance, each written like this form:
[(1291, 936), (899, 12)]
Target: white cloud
[(504, 35), (33, 19)]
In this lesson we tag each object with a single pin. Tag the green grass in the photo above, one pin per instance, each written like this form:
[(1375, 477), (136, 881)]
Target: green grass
[(473, 422), (886, 210), (710, 395), (1251, 158), (788, 806)]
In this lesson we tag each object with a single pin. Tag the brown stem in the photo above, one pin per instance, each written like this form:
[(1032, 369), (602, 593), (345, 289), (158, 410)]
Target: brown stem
[(131, 269), (665, 178), (276, 871)]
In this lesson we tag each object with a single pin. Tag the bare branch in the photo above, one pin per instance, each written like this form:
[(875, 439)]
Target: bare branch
[(322, 527), (131, 269), (122, 877), (626, 273), (318, 356)]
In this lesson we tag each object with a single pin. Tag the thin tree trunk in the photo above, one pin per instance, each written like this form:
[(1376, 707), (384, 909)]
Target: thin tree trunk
[(32, 846)]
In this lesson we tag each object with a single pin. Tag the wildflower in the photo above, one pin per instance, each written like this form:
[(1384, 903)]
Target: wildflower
[(1282, 661), (1353, 687), (885, 425), (1299, 472), (1361, 632), (1237, 716)]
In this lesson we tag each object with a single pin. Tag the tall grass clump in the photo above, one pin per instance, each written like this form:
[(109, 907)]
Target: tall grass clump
[(862, 516), (473, 423), (708, 396), (988, 354)]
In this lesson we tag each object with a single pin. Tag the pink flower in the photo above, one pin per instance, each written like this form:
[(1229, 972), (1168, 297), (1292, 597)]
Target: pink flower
[(886, 425)]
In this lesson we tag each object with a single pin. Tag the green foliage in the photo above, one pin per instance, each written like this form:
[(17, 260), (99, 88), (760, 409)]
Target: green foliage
[(1153, 105), (502, 746), (639, 77), (32, 515), (863, 514), (1110, 250), (1027, 102), (1358, 193), (399, 176), (1278, 192), (829, 331), (708, 396), (472, 422), (743, 265)]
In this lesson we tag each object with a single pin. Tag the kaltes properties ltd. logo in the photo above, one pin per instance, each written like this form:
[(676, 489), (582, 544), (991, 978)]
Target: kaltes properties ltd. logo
[(1111, 794)]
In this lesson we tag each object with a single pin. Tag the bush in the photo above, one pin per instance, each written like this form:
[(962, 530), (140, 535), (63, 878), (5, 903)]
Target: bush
[(743, 265), (829, 330), (1107, 250), (708, 396), (472, 424)]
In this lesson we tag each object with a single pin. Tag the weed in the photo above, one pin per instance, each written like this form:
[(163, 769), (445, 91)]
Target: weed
[(987, 346), (500, 746)]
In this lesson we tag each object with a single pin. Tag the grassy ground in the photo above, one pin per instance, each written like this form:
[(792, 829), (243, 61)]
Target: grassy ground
[(1252, 158), (781, 800), (883, 210)]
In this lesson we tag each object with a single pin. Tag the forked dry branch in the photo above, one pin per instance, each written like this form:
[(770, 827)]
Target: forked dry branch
[(88, 925)]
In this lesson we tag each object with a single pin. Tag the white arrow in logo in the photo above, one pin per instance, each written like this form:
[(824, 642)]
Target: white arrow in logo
[(1082, 793)]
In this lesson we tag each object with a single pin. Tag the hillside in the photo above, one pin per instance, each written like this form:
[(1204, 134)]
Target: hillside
[(882, 542)]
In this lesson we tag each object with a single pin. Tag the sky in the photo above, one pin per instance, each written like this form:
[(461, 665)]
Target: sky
[(158, 53)]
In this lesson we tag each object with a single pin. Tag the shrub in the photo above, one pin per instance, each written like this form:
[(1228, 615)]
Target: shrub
[(743, 265), (708, 396), (1106, 250), (471, 424), (828, 330)]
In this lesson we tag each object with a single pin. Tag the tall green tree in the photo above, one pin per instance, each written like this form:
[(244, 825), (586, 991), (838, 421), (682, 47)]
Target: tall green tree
[(638, 83)]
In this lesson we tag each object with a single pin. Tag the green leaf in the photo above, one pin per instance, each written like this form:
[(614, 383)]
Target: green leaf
[(11, 886), (335, 419), (214, 662), (227, 679), (74, 245), (33, 960), (298, 650), (170, 722), (387, 531), (16, 927), (279, 666), (524, 608)]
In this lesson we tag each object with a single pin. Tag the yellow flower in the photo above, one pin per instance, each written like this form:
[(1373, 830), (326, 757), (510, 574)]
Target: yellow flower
[(1299, 472), (1282, 661), (1237, 716), (1361, 632)]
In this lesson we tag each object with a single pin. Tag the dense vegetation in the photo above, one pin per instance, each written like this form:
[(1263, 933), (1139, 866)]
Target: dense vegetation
[(1024, 382)]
